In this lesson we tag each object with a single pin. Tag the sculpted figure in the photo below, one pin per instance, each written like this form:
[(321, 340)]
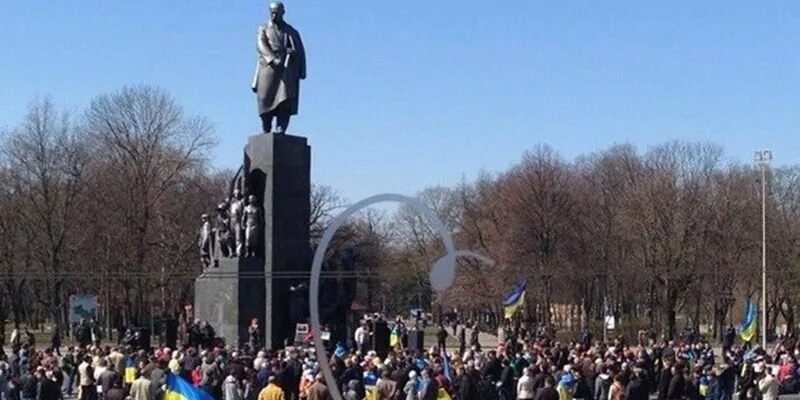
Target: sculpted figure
[(281, 66), (223, 230), (206, 245), (251, 219), (236, 210)]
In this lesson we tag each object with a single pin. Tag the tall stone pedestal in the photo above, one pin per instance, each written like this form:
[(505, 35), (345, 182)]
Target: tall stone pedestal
[(277, 171)]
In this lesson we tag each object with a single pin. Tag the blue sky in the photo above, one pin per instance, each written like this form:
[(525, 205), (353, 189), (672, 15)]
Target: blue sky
[(403, 95)]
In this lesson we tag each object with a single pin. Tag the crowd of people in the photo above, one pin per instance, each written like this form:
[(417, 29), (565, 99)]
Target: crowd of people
[(523, 365)]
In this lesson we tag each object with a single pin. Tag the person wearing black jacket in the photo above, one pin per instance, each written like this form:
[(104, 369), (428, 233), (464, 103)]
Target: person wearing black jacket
[(465, 386), (677, 385), (353, 371), (441, 337), (55, 340), (294, 372), (506, 385), (664, 380), (539, 375), (638, 389), (747, 379), (28, 386), (47, 388), (728, 338), (493, 368), (582, 390), (401, 376), (548, 392), (462, 339)]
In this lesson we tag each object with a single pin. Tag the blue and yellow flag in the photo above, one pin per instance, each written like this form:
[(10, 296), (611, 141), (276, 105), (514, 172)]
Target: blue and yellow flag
[(178, 388), (515, 299), (748, 328), (130, 370), (394, 337)]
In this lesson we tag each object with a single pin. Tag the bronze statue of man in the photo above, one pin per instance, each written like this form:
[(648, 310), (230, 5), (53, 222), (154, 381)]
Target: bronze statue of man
[(281, 66)]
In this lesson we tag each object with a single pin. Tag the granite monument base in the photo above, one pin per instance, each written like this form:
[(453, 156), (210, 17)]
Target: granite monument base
[(276, 170)]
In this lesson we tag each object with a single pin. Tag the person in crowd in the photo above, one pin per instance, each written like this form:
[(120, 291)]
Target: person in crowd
[(385, 388), (86, 379), (617, 390), (525, 385), (254, 335), (272, 391), (410, 389), (548, 391), (319, 390), (140, 389)]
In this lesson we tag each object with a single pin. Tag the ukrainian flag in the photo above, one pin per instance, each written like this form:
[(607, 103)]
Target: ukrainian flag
[(748, 328), (178, 388), (394, 338), (515, 299), (130, 370)]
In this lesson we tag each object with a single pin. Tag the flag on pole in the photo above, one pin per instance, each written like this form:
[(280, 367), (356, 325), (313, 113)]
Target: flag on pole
[(394, 338), (446, 365), (514, 299), (130, 370), (748, 328)]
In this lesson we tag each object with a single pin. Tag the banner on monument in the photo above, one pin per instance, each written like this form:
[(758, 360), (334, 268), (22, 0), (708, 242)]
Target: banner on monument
[(301, 333), (82, 306)]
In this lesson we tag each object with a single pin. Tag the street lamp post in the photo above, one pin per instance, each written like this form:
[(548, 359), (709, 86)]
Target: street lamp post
[(762, 158)]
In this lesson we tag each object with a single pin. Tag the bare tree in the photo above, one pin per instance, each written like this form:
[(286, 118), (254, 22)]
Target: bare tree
[(149, 149), (324, 202), (47, 162)]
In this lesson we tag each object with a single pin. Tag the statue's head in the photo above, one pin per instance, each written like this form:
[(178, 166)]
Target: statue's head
[(276, 11), (251, 199), (237, 194), (204, 217)]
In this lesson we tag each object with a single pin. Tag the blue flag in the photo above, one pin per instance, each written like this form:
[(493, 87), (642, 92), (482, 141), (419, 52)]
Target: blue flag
[(446, 365)]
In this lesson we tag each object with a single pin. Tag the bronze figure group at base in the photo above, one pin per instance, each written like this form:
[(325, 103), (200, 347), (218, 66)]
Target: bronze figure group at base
[(234, 231)]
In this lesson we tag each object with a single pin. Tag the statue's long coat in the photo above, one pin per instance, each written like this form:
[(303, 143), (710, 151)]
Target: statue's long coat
[(275, 85)]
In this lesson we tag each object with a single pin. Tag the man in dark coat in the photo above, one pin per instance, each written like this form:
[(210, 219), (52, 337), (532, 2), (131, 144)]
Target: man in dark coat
[(638, 389), (727, 339), (462, 338), (493, 368), (548, 392), (506, 382), (281, 65), (48, 388), (664, 380), (677, 385), (441, 337), (465, 386), (55, 340)]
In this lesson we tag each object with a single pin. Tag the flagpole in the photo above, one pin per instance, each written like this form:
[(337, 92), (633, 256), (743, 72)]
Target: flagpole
[(763, 157), (605, 315)]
